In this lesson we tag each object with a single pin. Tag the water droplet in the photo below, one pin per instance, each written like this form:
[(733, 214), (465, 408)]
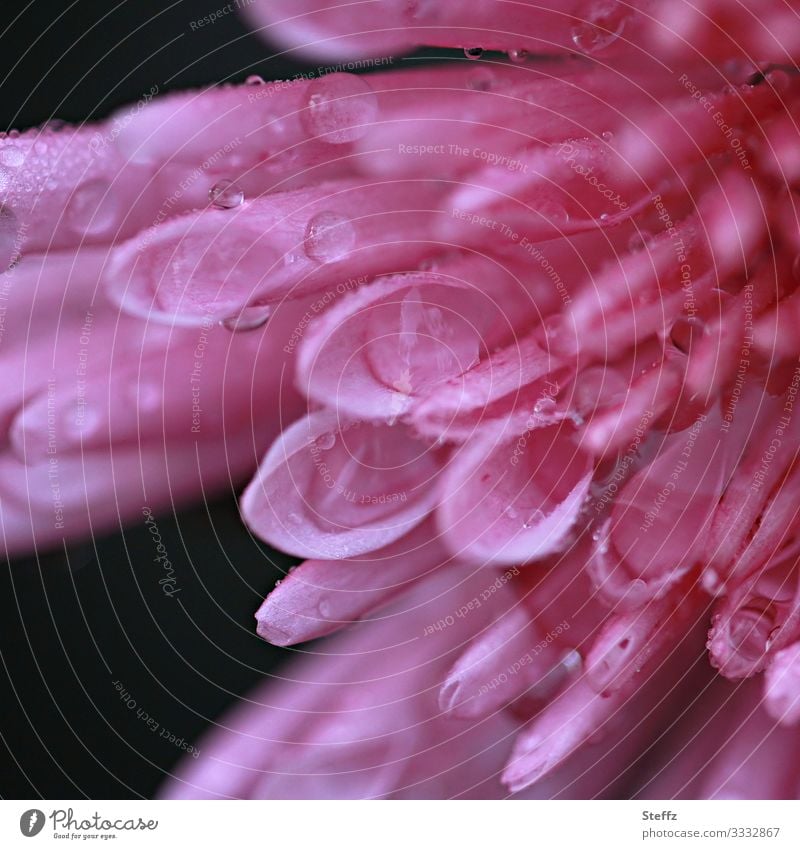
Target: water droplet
[(329, 237), (796, 268), (518, 56), (226, 194), (341, 108), (778, 79), (9, 232), (607, 136), (325, 609), (685, 332), (40, 147), (601, 29), (511, 512), (712, 583), (250, 318), (638, 240), (93, 208), (427, 265), (553, 327), (11, 156), (254, 79), (326, 441), (637, 587), (572, 662), (553, 212), (534, 519), (473, 52)]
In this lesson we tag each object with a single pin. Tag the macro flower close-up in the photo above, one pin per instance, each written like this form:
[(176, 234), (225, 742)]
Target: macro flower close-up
[(465, 358)]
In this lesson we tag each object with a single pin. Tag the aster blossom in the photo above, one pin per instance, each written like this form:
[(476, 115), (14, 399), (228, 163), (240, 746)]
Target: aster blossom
[(543, 312)]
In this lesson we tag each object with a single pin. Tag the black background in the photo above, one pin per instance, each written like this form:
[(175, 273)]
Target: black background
[(74, 622)]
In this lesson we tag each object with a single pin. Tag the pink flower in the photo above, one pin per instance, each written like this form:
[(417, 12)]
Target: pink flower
[(543, 316)]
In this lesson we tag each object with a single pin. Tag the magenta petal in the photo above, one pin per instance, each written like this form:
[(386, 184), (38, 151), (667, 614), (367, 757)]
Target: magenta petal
[(392, 341), (216, 262), (565, 725), (320, 597), (782, 686), (508, 500), (329, 489), (660, 519), (503, 663), (514, 385)]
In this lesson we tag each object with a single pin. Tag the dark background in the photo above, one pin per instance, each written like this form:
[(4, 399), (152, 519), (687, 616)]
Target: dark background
[(73, 623)]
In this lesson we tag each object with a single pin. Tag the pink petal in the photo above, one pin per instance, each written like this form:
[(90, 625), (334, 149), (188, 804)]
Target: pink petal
[(508, 500), (396, 340), (333, 490), (320, 597)]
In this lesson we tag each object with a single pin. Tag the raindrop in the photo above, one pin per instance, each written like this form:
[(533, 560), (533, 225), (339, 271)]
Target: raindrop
[(638, 240), (11, 156), (518, 56), (340, 108), (796, 267), (473, 52), (329, 237), (481, 81), (553, 327), (254, 79), (534, 519), (325, 609), (250, 318), (572, 662), (554, 212), (607, 136), (712, 583), (511, 512), (685, 332), (326, 441), (778, 79), (600, 30), (92, 208), (9, 230), (226, 194)]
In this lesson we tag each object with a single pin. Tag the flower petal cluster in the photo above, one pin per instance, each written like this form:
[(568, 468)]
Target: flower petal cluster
[(542, 310)]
